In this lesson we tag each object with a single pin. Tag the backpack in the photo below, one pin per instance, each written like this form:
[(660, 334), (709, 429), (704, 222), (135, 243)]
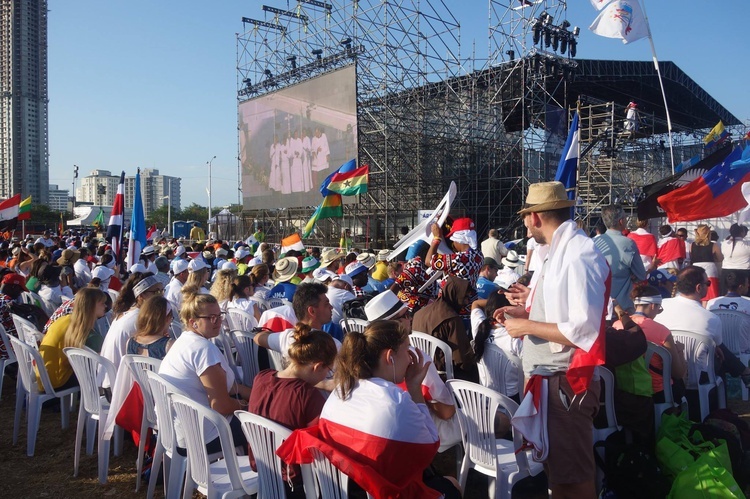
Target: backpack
[(31, 313), (355, 309)]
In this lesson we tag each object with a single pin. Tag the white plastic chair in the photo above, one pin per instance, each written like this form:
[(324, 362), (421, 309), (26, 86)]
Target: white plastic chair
[(276, 359), (666, 360), (94, 407), (28, 392), (27, 331), (139, 365), (265, 436), (226, 344), (11, 359), (239, 320), (260, 303), (277, 302), (175, 329), (247, 351), (228, 477), (31, 298), (113, 294), (699, 352), (429, 344), (495, 366), (606, 376), (734, 326), (500, 459), (351, 324)]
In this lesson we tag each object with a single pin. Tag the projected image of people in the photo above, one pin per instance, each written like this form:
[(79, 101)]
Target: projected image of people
[(292, 139)]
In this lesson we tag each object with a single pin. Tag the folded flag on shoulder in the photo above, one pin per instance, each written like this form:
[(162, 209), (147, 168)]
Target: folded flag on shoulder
[(24, 209), (716, 136), (9, 213)]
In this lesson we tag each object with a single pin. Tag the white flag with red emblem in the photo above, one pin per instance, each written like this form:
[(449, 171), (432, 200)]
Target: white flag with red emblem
[(621, 19)]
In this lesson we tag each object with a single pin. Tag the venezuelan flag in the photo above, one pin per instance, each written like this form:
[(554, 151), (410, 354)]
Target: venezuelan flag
[(331, 207), (24, 209), (715, 136)]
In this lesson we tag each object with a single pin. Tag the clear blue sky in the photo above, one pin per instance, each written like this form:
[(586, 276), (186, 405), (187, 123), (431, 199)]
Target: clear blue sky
[(152, 83)]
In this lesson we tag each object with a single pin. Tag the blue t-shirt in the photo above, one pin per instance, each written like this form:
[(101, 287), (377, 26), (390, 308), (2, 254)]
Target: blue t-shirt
[(485, 287), (334, 330), (283, 290)]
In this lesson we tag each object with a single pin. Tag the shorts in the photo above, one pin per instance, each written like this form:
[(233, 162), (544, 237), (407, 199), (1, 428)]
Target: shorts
[(570, 425)]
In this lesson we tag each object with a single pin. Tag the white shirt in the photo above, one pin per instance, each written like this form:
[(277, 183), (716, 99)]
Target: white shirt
[(536, 259), (173, 293), (55, 295), (83, 273), (500, 337), (338, 297), (183, 365), (116, 341), (243, 304), (683, 314), (737, 257), (46, 242)]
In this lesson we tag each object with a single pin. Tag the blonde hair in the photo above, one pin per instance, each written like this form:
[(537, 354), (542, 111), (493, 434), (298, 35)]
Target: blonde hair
[(703, 235), (195, 281), (193, 305), (222, 286), (83, 318), (153, 317), (360, 353)]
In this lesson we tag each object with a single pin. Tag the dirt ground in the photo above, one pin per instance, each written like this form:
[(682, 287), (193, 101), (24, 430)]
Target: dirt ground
[(50, 472)]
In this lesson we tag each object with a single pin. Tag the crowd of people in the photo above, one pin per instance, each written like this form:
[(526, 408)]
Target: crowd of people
[(371, 399)]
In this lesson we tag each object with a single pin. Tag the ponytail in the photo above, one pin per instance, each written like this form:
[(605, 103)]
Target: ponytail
[(311, 346), (494, 302)]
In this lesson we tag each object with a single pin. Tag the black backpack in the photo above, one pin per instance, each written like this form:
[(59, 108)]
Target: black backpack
[(355, 309)]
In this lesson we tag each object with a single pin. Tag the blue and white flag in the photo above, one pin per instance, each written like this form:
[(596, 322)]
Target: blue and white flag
[(137, 226), (567, 169)]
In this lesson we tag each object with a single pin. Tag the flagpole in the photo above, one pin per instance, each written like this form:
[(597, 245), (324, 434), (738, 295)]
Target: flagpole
[(23, 229), (661, 83)]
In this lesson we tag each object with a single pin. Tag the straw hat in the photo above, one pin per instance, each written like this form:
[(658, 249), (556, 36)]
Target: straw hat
[(383, 255), (68, 257), (367, 259), (286, 268), (546, 196), (328, 257)]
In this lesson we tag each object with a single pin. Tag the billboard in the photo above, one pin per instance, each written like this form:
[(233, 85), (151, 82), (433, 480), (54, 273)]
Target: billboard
[(290, 140)]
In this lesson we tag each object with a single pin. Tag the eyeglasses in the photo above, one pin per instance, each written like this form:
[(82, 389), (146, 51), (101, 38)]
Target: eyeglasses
[(213, 318)]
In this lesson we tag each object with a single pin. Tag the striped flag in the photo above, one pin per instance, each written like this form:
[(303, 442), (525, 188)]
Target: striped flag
[(567, 169), (114, 228), (24, 209), (331, 207), (9, 213), (137, 240), (278, 319), (293, 242), (716, 136)]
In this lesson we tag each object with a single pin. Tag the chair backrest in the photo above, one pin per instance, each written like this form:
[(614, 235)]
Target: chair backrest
[(431, 345), (476, 407), (276, 360), (160, 390), (699, 354), (239, 320), (26, 356), (102, 324), (329, 481), (666, 360), (277, 302), (113, 294), (193, 417), (608, 379), (351, 324), (496, 366), (260, 303), (27, 331), (733, 325), (5, 341), (265, 436), (225, 343), (247, 350), (139, 365), (175, 329), (86, 364)]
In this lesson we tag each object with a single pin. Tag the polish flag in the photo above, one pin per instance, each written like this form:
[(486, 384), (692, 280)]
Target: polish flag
[(378, 437), (670, 249), (278, 319)]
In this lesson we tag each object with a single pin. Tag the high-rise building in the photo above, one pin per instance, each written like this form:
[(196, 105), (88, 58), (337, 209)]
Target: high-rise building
[(100, 188), (24, 154), (58, 198)]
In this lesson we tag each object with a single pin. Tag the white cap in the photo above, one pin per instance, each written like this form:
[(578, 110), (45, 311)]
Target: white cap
[(196, 265), (138, 267), (322, 274), (179, 266), (241, 253), (345, 278), (228, 266), (102, 272), (180, 250)]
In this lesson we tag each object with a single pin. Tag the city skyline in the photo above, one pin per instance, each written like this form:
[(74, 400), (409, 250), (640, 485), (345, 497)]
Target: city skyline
[(155, 87)]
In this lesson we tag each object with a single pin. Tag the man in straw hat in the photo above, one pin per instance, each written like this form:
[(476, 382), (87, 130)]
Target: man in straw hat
[(562, 327), (285, 271)]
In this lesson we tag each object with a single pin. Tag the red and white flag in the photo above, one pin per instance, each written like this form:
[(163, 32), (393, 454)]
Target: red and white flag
[(114, 228), (278, 319), (621, 19), (9, 213)]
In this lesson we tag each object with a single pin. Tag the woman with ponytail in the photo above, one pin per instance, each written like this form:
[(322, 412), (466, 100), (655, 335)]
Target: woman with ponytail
[(289, 397), (736, 253), (241, 295)]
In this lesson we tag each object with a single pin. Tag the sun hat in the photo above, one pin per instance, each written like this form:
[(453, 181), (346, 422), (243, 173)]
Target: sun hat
[(207, 254), (285, 269), (367, 259), (197, 265), (328, 257), (546, 196), (384, 306), (16, 279), (148, 251), (355, 268), (322, 274), (309, 264), (221, 252), (179, 266), (461, 224), (180, 250), (511, 259), (383, 255), (68, 257)]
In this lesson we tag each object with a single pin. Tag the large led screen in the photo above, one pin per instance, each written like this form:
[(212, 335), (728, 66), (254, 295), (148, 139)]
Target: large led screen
[(290, 140)]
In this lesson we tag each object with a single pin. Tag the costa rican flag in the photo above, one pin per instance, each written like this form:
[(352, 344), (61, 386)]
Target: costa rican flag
[(114, 228)]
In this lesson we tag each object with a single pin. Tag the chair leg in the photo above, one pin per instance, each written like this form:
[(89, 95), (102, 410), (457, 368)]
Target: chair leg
[(34, 415), (155, 465), (141, 451), (463, 476), (91, 425), (177, 472), (65, 412), (119, 435), (103, 452), (722, 392), (80, 427), (2, 376), (20, 399)]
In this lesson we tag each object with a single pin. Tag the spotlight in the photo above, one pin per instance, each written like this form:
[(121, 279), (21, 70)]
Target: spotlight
[(318, 53), (347, 43), (548, 19), (572, 49), (537, 31), (547, 37), (247, 82), (565, 25), (511, 54), (564, 42), (268, 73), (555, 40), (293, 60), (576, 31)]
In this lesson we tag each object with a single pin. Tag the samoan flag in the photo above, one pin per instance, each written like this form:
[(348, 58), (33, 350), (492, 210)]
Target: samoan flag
[(114, 228), (137, 226), (567, 169), (716, 193)]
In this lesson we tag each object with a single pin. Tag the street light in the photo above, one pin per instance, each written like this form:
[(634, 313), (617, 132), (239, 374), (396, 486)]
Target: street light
[(209, 162)]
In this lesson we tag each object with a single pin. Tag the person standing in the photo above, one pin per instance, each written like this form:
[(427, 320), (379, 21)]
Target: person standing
[(563, 336), (646, 243), (321, 154), (736, 253), (621, 254), (707, 255), (493, 247)]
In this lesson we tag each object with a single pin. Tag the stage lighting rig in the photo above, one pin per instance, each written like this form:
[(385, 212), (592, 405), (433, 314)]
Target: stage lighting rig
[(318, 53), (347, 43), (511, 54), (287, 13), (292, 59)]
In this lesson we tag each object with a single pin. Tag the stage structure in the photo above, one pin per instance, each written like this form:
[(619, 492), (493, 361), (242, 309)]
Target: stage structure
[(427, 115)]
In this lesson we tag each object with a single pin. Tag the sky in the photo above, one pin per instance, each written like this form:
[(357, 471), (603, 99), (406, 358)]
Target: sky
[(152, 84)]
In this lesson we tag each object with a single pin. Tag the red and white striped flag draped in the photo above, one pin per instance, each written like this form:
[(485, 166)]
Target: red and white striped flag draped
[(114, 228)]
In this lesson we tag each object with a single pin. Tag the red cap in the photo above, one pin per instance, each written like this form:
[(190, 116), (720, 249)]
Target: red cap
[(461, 224), (16, 279)]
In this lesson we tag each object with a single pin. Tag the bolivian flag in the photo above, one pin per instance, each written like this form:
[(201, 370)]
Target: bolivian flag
[(24, 209), (331, 207)]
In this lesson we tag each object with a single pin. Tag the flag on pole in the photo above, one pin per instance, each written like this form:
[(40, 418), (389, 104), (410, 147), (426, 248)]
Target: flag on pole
[(331, 207), (61, 225), (9, 213), (151, 231), (350, 183), (292, 242), (621, 19), (716, 136), (567, 168), (114, 228), (99, 220), (744, 161), (24, 209), (137, 240), (716, 193), (347, 167)]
